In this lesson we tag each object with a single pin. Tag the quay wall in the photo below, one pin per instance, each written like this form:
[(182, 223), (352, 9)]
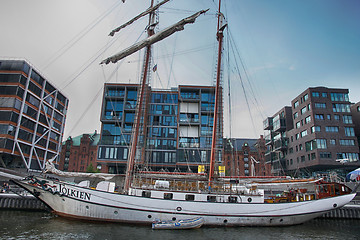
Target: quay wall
[(17, 202)]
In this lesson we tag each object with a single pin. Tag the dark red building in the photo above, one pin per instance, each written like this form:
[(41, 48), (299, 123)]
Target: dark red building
[(245, 157), (78, 154)]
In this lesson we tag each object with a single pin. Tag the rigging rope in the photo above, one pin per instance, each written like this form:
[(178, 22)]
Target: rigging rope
[(79, 36)]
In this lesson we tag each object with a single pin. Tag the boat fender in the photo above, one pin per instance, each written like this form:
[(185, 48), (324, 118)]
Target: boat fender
[(249, 199), (178, 209)]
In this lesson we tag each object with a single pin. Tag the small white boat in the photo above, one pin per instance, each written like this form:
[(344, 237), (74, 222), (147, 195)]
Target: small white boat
[(179, 224)]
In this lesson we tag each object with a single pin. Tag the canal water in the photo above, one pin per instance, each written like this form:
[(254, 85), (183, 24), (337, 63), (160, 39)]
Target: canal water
[(44, 225)]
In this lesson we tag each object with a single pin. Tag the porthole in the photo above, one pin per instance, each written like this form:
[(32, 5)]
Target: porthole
[(335, 205), (87, 207), (178, 209), (225, 221), (149, 216), (174, 218), (115, 212), (249, 199)]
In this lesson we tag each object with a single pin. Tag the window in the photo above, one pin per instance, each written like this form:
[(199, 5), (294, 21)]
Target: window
[(332, 141), (297, 136), (332, 129), (339, 107), (320, 105), (324, 95), (296, 115), (347, 119), (353, 157), (232, 199), (308, 119), (189, 197), (325, 154), (339, 97), (168, 196), (306, 97), (300, 147), (319, 116), (298, 124), (146, 194), (211, 198), (296, 104), (328, 116), (315, 94), (349, 132), (321, 143), (303, 110), (304, 133), (347, 142), (336, 117), (311, 145)]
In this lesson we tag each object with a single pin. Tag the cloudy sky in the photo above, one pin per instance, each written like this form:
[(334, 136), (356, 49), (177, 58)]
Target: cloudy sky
[(285, 47)]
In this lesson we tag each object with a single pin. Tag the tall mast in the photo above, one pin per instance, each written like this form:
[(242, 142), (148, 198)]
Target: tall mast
[(134, 140), (220, 35)]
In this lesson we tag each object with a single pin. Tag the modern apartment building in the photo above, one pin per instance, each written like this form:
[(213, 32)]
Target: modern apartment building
[(323, 134), (178, 124), (276, 141), (355, 112), (32, 116)]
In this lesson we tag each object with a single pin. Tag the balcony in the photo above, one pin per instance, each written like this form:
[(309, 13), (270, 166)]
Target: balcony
[(280, 144), (279, 125), (268, 139), (268, 123)]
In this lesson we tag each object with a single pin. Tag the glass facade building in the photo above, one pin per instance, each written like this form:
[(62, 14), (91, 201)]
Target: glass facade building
[(178, 124), (32, 116)]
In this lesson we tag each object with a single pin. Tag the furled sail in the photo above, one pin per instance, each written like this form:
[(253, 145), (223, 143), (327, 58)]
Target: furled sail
[(179, 26), (50, 167), (149, 10)]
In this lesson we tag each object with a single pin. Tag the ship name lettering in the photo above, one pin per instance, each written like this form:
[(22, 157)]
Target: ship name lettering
[(74, 193)]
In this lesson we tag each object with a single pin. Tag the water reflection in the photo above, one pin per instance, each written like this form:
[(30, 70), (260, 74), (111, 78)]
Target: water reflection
[(43, 225)]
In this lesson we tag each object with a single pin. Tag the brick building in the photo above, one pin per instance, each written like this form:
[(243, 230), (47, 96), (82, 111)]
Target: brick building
[(318, 136), (245, 157), (78, 154)]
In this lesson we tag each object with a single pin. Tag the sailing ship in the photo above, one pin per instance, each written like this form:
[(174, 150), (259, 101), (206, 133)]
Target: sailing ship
[(145, 199)]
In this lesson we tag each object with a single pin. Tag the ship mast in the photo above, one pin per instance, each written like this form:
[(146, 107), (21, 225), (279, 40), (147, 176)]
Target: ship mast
[(220, 28), (134, 140)]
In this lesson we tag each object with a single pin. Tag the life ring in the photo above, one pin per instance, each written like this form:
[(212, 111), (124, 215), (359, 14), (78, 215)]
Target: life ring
[(178, 209)]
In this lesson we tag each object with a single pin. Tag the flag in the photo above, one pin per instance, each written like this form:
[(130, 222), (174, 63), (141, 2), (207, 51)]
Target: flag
[(155, 68)]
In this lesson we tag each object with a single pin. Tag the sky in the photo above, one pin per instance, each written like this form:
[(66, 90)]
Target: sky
[(282, 47)]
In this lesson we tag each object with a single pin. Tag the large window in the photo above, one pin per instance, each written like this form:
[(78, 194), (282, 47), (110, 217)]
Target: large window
[(339, 97), (353, 157), (315, 129), (331, 129), (320, 105), (315, 94), (349, 132), (347, 119), (319, 116), (347, 142), (339, 107), (321, 143)]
